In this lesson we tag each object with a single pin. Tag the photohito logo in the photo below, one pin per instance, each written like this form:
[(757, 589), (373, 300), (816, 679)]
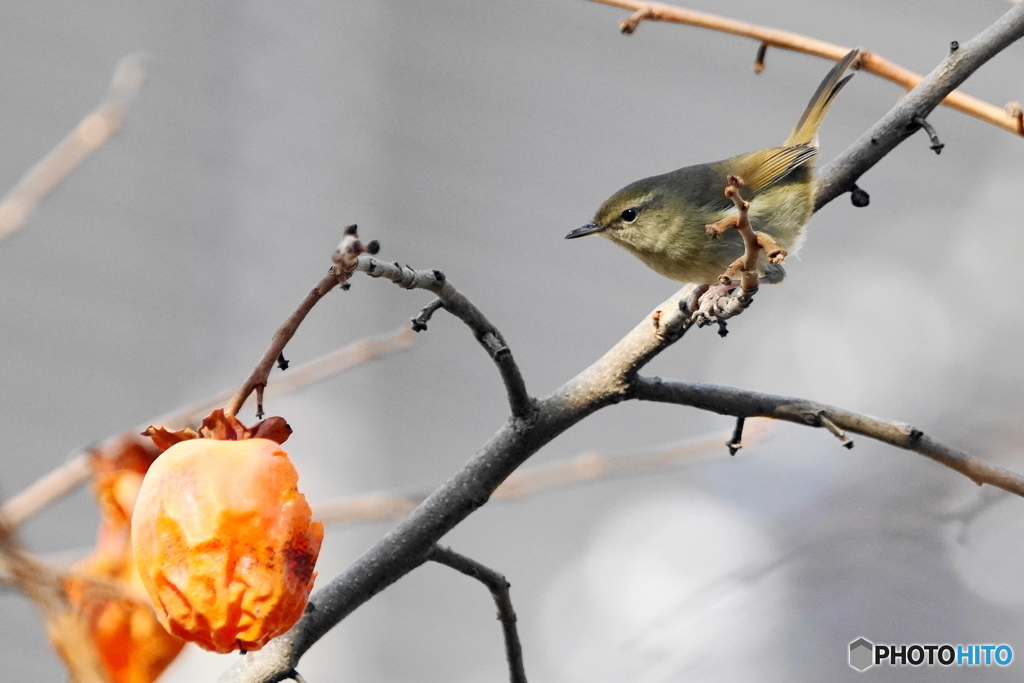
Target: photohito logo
[(864, 654)]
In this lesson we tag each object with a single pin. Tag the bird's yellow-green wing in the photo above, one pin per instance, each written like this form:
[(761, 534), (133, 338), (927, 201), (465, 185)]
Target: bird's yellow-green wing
[(764, 168)]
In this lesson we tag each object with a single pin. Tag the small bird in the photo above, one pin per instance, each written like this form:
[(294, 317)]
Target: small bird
[(663, 219)]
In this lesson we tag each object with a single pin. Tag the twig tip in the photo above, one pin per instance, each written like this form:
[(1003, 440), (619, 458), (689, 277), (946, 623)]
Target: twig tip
[(762, 49)]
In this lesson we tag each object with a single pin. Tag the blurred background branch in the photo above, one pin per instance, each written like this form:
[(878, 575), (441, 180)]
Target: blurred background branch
[(88, 136), (64, 479), (841, 174), (869, 61), (42, 584), (529, 481)]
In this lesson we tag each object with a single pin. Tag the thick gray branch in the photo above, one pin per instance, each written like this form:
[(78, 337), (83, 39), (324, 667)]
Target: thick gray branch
[(842, 172), (407, 545)]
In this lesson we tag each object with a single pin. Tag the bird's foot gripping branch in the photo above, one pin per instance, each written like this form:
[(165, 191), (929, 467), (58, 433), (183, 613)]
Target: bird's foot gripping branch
[(738, 284)]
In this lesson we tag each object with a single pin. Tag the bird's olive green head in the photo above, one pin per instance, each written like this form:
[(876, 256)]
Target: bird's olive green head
[(636, 213)]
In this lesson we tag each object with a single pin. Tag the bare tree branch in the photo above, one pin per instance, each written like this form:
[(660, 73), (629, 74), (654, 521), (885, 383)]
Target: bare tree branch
[(842, 173), (786, 40), (609, 380), (743, 403), (351, 256), (407, 545), (89, 135), (344, 258), (498, 586), (257, 379), (452, 300)]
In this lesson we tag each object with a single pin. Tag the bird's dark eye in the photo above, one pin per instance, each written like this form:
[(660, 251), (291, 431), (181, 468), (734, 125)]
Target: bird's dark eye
[(629, 215)]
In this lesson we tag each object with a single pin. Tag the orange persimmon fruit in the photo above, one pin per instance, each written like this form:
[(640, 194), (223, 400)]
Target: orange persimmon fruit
[(224, 542)]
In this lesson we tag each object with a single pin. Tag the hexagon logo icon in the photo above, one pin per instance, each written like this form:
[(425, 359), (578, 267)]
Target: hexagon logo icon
[(862, 653)]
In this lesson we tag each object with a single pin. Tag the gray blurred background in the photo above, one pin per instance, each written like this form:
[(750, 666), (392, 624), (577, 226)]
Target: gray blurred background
[(470, 137)]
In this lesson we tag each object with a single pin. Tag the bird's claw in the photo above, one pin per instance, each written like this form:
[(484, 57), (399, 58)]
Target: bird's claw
[(720, 302)]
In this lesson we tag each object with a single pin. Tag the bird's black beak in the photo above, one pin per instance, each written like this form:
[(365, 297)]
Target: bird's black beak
[(588, 229)]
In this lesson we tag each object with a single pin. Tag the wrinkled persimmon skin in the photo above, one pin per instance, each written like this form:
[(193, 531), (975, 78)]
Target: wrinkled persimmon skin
[(225, 543)]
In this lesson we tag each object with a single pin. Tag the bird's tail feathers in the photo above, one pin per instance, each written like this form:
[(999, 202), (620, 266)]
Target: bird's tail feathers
[(806, 130)]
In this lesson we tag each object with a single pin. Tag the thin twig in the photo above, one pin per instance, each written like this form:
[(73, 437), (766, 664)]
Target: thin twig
[(89, 135), (786, 40), (929, 129), (735, 443), (1014, 111), (825, 421), (258, 377), (453, 301), (419, 323), (731, 401), (498, 586), (316, 370), (356, 353), (753, 242), (344, 258), (762, 51)]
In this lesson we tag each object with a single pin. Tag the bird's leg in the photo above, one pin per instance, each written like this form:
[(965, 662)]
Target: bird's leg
[(718, 228), (772, 249), (753, 242)]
